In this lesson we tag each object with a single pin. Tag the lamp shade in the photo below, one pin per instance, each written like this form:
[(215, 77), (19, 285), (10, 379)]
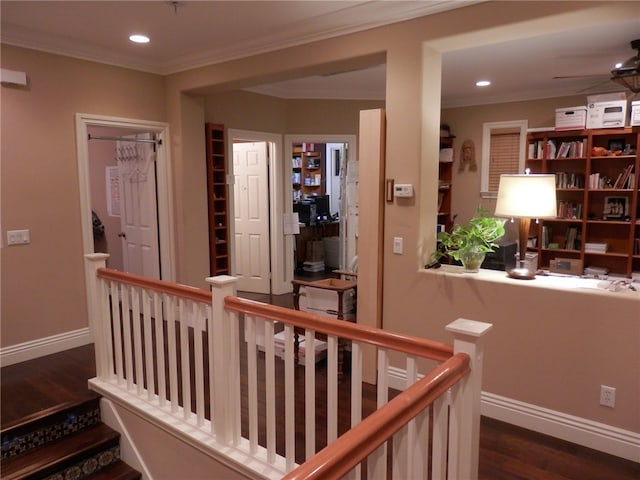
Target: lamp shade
[(526, 196)]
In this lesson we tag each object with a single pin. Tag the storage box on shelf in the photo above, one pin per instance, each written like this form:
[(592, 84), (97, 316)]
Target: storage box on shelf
[(571, 118), (597, 191)]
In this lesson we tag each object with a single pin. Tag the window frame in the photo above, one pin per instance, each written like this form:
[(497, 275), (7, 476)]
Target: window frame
[(487, 129)]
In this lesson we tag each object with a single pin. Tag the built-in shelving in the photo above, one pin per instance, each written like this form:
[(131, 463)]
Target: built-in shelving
[(307, 170), (597, 183), (217, 199), (445, 177)]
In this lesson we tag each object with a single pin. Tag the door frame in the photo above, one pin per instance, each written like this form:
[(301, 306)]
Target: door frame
[(352, 153), (164, 181), (281, 263)]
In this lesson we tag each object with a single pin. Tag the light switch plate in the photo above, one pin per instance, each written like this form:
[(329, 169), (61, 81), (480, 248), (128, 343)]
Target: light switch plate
[(18, 237), (397, 245)]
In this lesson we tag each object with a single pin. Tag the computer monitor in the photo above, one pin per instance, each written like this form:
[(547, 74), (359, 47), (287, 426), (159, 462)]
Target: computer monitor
[(306, 212), (323, 205)]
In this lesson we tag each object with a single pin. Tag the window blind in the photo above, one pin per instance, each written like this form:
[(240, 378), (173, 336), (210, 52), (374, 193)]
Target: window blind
[(504, 155)]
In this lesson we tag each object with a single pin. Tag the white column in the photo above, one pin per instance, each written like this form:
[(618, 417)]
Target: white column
[(96, 304), (464, 441), (223, 370)]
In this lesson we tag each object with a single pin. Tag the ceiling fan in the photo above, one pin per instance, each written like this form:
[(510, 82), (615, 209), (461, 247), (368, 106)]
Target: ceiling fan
[(627, 75)]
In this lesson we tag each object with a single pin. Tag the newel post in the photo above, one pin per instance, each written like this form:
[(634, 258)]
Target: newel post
[(224, 359), (464, 441), (96, 305)]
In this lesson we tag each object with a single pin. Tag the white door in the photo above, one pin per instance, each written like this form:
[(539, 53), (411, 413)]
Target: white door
[(251, 207), (138, 207)]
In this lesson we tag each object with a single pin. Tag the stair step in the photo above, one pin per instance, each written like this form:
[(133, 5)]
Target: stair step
[(97, 445), (48, 425), (117, 470)]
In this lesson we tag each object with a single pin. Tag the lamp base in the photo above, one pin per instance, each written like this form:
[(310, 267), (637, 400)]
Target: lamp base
[(522, 273)]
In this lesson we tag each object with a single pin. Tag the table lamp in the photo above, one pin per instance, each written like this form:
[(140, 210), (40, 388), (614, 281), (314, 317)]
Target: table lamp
[(525, 197)]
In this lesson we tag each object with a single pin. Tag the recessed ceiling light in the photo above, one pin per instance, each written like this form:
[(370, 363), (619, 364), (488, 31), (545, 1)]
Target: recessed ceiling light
[(483, 83), (137, 38), (618, 65)]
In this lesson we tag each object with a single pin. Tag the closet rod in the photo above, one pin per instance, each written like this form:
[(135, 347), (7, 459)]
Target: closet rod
[(124, 139)]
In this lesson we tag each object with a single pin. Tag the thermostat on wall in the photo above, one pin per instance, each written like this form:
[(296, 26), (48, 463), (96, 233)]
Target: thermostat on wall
[(403, 190)]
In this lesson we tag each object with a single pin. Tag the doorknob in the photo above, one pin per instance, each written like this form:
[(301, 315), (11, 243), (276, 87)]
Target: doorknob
[(122, 235)]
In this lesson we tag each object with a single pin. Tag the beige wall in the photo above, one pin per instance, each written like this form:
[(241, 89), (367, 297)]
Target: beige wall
[(43, 282), (262, 113), (38, 164)]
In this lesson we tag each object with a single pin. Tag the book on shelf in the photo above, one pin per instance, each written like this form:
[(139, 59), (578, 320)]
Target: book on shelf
[(595, 247), (569, 210), (551, 149), (572, 239), (569, 180), (622, 182), (546, 234)]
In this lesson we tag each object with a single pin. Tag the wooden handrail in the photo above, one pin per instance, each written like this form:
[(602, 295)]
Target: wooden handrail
[(160, 286), (415, 346), (348, 450)]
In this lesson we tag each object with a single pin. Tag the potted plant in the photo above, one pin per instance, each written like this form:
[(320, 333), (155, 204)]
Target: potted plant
[(470, 242)]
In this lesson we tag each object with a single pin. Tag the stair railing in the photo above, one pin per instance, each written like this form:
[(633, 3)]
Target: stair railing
[(170, 351)]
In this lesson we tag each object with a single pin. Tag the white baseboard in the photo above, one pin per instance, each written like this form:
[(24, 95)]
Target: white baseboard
[(578, 430), (44, 346)]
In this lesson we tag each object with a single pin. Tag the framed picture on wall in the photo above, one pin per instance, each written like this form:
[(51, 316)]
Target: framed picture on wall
[(615, 208)]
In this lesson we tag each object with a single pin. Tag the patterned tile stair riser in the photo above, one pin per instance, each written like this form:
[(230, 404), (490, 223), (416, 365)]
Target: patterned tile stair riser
[(18, 442), (87, 466)]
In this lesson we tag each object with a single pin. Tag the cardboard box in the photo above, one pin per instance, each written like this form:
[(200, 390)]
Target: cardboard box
[(325, 302), (607, 110), (569, 266), (320, 347), (571, 118), (635, 113)]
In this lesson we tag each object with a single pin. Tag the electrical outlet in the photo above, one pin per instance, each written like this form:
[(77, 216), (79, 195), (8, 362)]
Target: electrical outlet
[(607, 396)]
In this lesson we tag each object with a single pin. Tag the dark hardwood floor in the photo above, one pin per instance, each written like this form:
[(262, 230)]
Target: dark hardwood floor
[(506, 451)]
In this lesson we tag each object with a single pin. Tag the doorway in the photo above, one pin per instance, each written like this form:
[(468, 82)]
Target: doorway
[(124, 176), (325, 197)]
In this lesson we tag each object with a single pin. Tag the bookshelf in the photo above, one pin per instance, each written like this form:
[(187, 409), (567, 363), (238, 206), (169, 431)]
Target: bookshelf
[(217, 199), (307, 170), (597, 185), (445, 176)]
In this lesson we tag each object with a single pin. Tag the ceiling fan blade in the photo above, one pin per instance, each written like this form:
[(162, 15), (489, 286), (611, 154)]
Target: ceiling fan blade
[(606, 86), (592, 75)]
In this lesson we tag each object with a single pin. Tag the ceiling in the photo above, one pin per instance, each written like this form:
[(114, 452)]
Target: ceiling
[(191, 34)]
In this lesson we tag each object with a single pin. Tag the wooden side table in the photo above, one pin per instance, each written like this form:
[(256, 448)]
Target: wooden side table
[(333, 284)]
